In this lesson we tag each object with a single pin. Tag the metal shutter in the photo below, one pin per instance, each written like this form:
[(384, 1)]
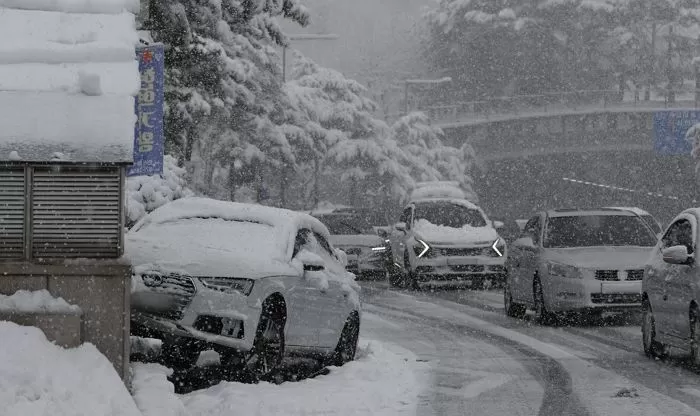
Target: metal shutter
[(76, 214), (12, 203)]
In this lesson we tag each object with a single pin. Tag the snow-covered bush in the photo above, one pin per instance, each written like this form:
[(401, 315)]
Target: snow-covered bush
[(146, 193)]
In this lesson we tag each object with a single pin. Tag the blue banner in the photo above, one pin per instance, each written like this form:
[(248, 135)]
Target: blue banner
[(670, 128), (150, 105)]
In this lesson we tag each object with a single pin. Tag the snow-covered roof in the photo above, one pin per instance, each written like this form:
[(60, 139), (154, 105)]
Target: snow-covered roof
[(437, 189), (68, 80), (581, 212), (456, 201), (205, 237)]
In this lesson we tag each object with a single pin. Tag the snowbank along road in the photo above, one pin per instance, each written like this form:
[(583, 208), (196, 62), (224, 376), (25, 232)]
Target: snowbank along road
[(484, 363)]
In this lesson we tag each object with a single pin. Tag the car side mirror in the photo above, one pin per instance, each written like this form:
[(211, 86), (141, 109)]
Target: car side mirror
[(498, 224), (677, 255), (400, 226), (342, 257), (524, 242), (312, 262)]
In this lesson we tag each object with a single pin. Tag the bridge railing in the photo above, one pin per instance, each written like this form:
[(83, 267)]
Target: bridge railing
[(504, 108)]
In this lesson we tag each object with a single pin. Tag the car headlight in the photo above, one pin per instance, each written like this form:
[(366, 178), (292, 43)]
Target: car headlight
[(564, 270), (422, 249), (378, 249), (228, 285)]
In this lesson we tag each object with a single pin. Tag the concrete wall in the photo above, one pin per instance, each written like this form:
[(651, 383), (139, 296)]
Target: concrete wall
[(100, 288)]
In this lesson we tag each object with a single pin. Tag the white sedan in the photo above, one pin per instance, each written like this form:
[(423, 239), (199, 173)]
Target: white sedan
[(252, 282), (578, 261)]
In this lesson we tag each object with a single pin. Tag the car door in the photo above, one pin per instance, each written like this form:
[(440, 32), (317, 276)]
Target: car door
[(661, 276), (526, 260), (679, 280), (303, 298), (335, 306)]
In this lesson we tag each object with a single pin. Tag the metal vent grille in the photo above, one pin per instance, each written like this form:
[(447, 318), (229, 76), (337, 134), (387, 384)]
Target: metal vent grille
[(12, 203), (76, 214)]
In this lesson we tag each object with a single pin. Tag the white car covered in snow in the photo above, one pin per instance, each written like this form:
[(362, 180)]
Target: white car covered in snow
[(580, 261), (253, 283), (446, 241)]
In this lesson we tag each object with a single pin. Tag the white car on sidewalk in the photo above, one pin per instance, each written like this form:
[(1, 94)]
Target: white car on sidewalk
[(582, 261), (251, 282)]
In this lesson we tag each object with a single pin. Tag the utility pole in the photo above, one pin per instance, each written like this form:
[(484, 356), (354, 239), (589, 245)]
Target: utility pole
[(670, 93)]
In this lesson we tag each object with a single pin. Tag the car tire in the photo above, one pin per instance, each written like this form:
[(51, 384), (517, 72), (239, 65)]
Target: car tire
[(347, 344), (179, 355), (267, 353), (652, 348), (542, 315), (695, 338), (513, 310)]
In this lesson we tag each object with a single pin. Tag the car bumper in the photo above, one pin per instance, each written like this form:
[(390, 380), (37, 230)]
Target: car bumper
[(209, 317), (460, 270), (594, 295)]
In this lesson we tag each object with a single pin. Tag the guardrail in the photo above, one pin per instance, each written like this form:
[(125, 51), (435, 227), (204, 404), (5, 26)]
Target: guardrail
[(505, 108)]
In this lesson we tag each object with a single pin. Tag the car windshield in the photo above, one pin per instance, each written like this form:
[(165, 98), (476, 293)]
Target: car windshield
[(597, 230), (449, 214), (651, 221)]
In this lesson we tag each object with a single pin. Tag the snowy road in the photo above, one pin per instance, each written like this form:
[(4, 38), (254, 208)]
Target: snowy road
[(485, 363)]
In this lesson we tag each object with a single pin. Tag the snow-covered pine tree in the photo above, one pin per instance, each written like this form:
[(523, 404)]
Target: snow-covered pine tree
[(223, 83)]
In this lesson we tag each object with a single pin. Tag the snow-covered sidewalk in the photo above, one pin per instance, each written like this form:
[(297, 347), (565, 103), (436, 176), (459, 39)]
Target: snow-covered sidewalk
[(384, 380)]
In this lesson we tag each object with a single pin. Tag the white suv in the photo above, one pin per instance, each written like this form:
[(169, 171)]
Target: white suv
[(446, 242)]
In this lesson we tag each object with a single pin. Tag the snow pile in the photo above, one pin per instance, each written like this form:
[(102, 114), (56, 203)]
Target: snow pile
[(146, 193), (38, 378), (38, 301), (153, 393), (467, 234), (384, 380), (68, 78)]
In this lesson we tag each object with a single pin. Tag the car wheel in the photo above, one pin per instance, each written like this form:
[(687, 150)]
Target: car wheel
[(179, 356), (542, 315), (695, 338), (514, 310), (268, 348), (652, 348), (347, 344)]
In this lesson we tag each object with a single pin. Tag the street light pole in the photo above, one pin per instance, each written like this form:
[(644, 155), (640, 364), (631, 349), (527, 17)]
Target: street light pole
[(302, 37)]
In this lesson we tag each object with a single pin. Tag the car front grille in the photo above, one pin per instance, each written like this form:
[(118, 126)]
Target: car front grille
[(614, 275), (180, 291), (635, 274), (606, 275), (610, 298), (468, 268)]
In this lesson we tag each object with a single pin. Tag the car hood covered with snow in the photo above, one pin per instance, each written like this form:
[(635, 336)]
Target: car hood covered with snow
[(467, 235), (203, 237), (360, 240), (605, 258)]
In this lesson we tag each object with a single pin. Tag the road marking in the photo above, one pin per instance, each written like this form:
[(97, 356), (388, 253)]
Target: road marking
[(487, 381)]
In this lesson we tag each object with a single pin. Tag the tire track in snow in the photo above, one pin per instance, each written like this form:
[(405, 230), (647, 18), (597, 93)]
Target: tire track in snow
[(559, 397)]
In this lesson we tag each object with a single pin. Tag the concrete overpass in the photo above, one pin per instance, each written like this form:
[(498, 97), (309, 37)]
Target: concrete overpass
[(528, 145)]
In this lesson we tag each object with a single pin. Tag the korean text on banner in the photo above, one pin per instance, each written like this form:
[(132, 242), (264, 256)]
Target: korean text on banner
[(670, 128), (150, 103)]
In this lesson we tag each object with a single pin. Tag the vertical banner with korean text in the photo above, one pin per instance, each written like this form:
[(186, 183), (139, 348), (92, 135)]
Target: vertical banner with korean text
[(150, 105)]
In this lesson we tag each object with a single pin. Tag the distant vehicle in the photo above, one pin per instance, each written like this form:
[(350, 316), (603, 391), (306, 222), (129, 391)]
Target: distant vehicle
[(354, 230), (253, 283), (446, 241), (647, 217), (437, 189), (671, 290), (582, 261)]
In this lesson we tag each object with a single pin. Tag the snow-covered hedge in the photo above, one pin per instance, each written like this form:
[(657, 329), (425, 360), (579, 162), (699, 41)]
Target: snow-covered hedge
[(146, 193)]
